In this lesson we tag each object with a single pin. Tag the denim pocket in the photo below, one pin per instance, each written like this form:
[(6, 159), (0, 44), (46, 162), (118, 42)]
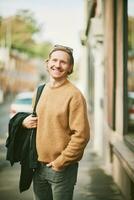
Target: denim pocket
[(72, 173), (59, 176)]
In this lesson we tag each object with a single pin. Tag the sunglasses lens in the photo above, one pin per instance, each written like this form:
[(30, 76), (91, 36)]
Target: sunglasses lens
[(63, 47)]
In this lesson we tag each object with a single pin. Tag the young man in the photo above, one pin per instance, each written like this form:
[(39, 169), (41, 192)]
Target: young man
[(62, 130)]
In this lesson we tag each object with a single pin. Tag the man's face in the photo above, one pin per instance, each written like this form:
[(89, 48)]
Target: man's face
[(59, 65)]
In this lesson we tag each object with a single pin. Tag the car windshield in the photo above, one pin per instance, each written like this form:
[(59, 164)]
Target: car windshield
[(24, 101)]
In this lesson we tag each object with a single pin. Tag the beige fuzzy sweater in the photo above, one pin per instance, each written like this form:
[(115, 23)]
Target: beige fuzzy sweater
[(63, 128)]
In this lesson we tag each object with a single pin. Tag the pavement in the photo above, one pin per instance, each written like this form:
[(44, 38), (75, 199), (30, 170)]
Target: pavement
[(93, 182)]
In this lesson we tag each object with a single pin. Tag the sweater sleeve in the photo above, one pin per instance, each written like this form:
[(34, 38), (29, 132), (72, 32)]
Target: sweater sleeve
[(79, 126)]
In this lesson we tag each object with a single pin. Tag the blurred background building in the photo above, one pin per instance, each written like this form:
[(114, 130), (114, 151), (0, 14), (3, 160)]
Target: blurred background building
[(108, 56), (104, 72), (21, 65)]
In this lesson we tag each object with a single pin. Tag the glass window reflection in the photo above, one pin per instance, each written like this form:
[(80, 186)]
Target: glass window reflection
[(130, 66)]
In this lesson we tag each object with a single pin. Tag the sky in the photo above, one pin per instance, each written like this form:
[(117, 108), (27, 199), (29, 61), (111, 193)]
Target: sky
[(61, 20), (131, 7)]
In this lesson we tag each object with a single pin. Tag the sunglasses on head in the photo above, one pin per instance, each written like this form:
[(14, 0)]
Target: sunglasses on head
[(63, 47)]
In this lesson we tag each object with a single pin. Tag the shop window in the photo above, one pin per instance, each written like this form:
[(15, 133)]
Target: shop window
[(130, 74)]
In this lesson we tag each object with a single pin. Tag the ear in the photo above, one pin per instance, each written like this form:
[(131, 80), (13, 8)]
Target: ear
[(70, 70)]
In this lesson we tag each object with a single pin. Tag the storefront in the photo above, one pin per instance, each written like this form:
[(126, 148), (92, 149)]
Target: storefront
[(109, 42)]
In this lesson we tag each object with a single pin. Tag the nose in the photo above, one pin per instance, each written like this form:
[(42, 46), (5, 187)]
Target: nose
[(57, 64)]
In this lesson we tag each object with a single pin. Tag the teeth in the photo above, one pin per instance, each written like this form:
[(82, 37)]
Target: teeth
[(57, 70)]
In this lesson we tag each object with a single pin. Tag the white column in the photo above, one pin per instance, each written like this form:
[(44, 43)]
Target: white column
[(98, 98)]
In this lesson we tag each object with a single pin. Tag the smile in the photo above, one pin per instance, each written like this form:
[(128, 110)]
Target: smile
[(56, 69)]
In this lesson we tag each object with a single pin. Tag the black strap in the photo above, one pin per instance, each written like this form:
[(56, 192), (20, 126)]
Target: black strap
[(39, 91), (33, 153)]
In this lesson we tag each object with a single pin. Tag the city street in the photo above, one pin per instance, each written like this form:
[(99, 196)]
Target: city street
[(9, 180), (93, 182), (4, 119), (4, 116), (44, 42)]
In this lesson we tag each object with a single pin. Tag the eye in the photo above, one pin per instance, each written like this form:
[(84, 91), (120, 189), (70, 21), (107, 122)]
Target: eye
[(63, 62), (54, 59)]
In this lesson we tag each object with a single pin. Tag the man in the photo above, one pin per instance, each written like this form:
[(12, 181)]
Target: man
[(62, 130)]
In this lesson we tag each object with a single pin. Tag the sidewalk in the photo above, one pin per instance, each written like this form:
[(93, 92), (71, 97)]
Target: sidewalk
[(93, 183)]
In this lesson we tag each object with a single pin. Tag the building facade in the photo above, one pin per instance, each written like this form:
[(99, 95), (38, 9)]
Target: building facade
[(18, 72), (108, 45)]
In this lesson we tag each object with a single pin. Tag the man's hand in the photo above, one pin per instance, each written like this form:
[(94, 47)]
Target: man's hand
[(53, 167), (30, 122)]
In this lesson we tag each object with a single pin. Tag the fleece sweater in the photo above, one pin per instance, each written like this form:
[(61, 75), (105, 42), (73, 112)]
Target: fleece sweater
[(63, 127)]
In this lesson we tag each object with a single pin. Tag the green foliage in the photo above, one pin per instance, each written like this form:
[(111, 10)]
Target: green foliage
[(18, 32)]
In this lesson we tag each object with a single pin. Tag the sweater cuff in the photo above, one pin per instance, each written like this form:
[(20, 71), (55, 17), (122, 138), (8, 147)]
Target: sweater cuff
[(59, 162)]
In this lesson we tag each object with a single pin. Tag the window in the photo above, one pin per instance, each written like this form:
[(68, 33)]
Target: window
[(130, 74)]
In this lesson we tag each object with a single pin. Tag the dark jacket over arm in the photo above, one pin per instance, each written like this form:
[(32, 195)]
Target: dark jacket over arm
[(21, 148)]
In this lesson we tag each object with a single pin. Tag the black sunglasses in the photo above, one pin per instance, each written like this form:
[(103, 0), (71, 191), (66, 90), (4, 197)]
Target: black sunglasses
[(63, 47)]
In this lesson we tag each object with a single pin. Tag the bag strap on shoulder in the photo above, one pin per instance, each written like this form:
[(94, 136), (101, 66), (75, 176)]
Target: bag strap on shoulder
[(39, 91)]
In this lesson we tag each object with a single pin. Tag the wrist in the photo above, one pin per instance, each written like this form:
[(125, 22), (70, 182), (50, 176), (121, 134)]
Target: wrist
[(23, 124)]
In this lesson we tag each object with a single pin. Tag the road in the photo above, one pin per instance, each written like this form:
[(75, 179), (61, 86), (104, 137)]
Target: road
[(4, 119), (9, 176)]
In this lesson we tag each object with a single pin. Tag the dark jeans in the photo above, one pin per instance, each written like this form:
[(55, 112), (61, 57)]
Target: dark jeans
[(51, 185)]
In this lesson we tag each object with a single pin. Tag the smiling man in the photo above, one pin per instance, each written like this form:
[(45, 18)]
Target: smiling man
[(62, 130)]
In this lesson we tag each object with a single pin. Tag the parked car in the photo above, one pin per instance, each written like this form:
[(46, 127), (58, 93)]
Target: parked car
[(22, 103), (131, 108)]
